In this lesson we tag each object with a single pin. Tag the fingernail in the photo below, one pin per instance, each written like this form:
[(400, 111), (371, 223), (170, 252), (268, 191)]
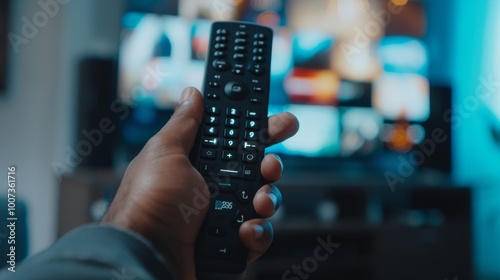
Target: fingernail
[(280, 161), (274, 199), (259, 231), (186, 96)]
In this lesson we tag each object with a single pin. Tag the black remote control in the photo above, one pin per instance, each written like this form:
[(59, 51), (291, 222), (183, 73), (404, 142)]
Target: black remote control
[(230, 144)]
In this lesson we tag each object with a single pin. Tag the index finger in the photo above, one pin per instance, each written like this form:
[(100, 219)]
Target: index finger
[(281, 127)]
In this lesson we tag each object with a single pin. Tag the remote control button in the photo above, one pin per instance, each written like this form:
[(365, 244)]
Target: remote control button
[(240, 41), (251, 135), (221, 46), (210, 142), (256, 100), (258, 89), (253, 115), (256, 69), (241, 34), (221, 31), (236, 90), (239, 56), (258, 51), (220, 39), (252, 125), (211, 131), (222, 251), (230, 144), (206, 168), (213, 96), (258, 58), (219, 54), (228, 155), (213, 84), (249, 146), (230, 133), (217, 231), (243, 196), (240, 49), (238, 69), (233, 112), (227, 187), (249, 173), (231, 172), (239, 219), (213, 111), (220, 65), (250, 158), (259, 36), (260, 44), (212, 120), (208, 154), (232, 123)]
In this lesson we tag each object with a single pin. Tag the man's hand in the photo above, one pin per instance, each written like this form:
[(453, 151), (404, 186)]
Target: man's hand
[(161, 178)]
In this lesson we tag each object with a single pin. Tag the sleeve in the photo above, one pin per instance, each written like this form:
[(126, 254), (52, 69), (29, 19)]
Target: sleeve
[(94, 252)]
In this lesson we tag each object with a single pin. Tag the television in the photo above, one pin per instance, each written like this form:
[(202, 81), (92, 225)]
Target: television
[(361, 106)]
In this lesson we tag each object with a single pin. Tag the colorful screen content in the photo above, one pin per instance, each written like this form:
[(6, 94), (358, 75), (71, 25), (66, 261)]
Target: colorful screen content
[(347, 96)]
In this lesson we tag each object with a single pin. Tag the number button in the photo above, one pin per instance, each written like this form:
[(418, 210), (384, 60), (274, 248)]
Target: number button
[(214, 111), (211, 131), (252, 125), (232, 112), (232, 123), (231, 133), (212, 120), (230, 144), (251, 135)]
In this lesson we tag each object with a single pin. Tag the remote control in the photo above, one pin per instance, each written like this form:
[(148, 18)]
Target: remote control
[(230, 143)]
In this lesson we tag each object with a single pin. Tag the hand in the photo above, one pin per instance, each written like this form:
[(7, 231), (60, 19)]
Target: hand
[(161, 178)]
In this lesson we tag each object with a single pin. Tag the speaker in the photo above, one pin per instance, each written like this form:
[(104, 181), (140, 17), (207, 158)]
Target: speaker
[(97, 125)]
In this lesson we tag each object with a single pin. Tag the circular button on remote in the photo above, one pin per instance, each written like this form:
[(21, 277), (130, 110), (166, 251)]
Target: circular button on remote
[(236, 90)]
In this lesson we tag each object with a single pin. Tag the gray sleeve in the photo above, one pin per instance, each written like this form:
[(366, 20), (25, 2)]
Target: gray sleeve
[(94, 252)]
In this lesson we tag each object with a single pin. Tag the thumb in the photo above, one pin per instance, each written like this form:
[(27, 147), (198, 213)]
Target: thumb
[(179, 133)]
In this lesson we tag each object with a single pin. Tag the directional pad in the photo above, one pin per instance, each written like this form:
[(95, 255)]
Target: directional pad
[(236, 90)]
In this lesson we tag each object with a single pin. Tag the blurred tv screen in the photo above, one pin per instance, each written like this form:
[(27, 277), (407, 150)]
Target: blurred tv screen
[(347, 102)]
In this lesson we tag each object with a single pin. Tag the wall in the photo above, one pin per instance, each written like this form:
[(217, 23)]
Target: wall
[(37, 112), (477, 157)]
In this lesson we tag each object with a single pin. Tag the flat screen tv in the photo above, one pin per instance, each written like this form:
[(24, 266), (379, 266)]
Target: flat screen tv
[(363, 105)]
